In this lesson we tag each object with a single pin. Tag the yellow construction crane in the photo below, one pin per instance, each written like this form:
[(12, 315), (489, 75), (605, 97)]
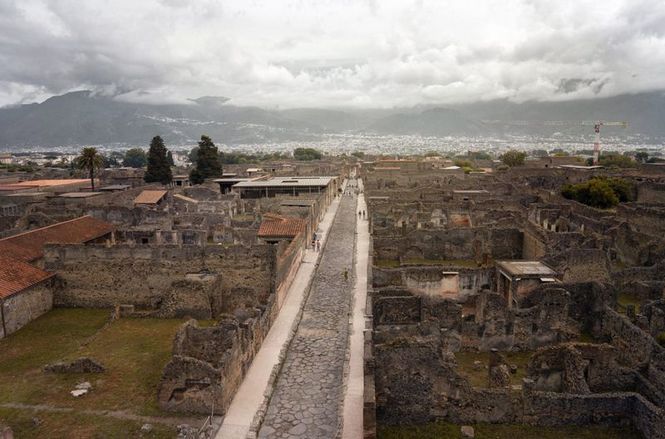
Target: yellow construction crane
[(596, 127)]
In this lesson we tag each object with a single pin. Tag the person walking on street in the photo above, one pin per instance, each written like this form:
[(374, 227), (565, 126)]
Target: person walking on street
[(345, 273), (318, 245)]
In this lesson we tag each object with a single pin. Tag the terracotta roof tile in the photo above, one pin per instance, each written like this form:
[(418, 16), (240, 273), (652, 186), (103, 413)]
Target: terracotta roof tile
[(149, 197), (29, 246), (279, 226), (16, 276)]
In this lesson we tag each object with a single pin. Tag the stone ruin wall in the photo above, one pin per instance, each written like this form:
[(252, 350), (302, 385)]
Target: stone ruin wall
[(133, 217), (472, 243), (209, 364), (415, 381), (651, 192), (418, 385), (242, 284), (431, 281), (636, 346), (146, 276), (22, 308)]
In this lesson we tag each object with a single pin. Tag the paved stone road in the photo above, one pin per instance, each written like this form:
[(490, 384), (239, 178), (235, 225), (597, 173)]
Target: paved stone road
[(307, 398)]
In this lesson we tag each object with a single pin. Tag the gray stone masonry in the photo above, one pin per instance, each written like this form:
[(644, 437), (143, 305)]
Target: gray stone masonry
[(306, 401)]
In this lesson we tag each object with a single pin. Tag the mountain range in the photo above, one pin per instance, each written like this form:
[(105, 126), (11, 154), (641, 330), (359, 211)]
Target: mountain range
[(82, 117)]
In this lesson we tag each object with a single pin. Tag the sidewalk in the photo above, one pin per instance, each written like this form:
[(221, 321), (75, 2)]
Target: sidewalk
[(250, 394), (353, 396)]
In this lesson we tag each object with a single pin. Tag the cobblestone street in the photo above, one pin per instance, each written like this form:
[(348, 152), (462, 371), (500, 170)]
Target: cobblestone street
[(306, 401)]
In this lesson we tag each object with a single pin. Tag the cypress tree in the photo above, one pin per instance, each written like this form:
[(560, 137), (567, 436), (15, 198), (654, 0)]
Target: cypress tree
[(158, 164), (207, 162)]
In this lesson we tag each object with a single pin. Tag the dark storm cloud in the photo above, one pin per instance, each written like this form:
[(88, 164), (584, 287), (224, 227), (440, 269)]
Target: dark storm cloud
[(328, 53)]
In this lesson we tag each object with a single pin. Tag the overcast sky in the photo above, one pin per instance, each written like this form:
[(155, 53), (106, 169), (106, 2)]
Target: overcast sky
[(364, 53)]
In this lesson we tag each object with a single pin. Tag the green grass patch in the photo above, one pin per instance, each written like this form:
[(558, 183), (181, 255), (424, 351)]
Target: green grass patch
[(586, 337), (72, 425), (385, 263), (392, 263), (134, 352), (467, 263), (478, 376), (625, 299), (497, 431)]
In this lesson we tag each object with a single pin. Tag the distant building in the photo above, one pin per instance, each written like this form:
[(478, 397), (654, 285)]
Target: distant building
[(6, 159), (516, 279), (293, 186), (181, 181)]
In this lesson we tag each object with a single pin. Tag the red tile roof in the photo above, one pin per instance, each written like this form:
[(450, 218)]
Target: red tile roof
[(29, 246), (149, 197), (16, 276), (279, 226)]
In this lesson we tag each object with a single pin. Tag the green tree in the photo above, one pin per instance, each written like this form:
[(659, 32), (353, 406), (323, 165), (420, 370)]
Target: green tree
[(90, 160), (513, 158), (623, 189), (195, 177), (134, 158), (478, 155), (207, 162), (307, 154), (193, 155), (358, 154), (463, 163), (642, 156), (169, 158), (159, 170), (595, 192), (616, 161), (114, 159)]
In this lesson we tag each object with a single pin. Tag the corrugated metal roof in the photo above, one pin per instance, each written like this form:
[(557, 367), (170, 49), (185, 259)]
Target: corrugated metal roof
[(149, 197), (50, 182), (526, 268), (16, 276), (186, 198), (80, 194), (29, 246), (286, 182)]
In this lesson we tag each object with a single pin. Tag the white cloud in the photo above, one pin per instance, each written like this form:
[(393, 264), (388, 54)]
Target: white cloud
[(291, 53)]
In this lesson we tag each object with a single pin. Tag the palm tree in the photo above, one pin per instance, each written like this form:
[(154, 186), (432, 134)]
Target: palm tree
[(91, 160)]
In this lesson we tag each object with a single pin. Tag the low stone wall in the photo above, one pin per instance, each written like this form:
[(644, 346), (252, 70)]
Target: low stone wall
[(286, 266), (430, 280), (208, 364), (636, 347), (554, 409)]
